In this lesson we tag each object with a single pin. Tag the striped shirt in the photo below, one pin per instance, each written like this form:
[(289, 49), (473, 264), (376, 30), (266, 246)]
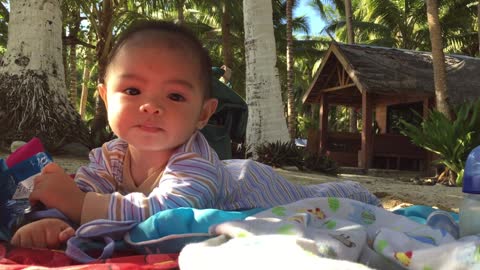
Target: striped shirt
[(193, 177)]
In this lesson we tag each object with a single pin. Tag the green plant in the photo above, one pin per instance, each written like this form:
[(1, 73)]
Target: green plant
[(320, 163), (451, 140), (304, 124), (279, 154)]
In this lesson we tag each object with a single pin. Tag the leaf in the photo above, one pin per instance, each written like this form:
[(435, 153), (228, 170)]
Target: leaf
[(450, 140)]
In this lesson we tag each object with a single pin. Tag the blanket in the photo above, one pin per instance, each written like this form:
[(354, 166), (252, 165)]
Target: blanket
[(12, 258), (335, 233)]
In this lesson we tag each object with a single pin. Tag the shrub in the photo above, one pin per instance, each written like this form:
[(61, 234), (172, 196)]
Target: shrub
[(279, 154), (320, 163), (451, 140)]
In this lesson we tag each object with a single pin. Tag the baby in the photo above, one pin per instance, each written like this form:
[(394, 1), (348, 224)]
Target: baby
[(157, 93)]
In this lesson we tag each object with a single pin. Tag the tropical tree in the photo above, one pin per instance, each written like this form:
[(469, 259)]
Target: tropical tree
[(32, 81), (181, 16), (478, 26), (86, 75), (4, 17), (101, 18), (266, 122), (438, 59), (348, 21), (73, 20), (227, 49), (105, 17), (350, 40), (292, 116)]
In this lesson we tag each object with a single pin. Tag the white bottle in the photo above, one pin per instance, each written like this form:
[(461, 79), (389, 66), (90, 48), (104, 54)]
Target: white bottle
[(470, 208)]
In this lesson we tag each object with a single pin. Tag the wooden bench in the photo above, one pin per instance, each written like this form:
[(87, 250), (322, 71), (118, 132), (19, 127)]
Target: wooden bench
[(398, 152)]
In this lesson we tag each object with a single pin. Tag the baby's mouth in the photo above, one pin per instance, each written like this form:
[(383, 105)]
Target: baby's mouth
[(150, 128)]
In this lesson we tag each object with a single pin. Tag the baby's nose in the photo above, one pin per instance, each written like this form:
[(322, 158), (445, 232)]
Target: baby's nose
[(150, 108)]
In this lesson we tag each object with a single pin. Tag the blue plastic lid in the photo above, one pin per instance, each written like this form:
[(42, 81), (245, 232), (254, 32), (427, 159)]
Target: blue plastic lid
[(471, 175)]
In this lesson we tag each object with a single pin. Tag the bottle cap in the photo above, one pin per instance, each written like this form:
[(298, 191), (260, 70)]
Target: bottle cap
[(471, 176)]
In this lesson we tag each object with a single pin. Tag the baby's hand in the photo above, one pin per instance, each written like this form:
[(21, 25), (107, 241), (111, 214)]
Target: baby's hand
[(56, 189), (44, 233)]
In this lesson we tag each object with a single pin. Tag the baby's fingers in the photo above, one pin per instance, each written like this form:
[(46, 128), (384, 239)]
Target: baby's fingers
[(39, 240), (52, 168), (22, 240), (15, 239), (66, 234)]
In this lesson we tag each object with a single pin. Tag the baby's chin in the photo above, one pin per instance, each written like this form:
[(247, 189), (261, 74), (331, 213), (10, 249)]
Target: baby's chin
[(152, 146)]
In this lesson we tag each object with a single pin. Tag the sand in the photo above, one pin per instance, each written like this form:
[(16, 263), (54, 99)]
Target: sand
[(395, 189)]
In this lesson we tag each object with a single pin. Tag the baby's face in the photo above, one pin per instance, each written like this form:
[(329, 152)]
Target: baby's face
[(154, 97)]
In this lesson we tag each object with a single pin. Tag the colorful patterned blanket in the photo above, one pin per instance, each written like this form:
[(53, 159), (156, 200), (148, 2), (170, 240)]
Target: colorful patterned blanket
[(12, 258), (336, 233)]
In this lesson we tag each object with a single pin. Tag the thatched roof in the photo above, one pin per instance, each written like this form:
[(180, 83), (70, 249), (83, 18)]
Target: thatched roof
[(388, 71)]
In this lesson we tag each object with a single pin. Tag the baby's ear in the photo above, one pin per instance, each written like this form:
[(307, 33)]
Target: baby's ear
[(102, 90), (209, 107)]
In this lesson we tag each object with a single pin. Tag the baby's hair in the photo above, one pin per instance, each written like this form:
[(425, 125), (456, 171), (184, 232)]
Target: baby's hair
[(181, 33)]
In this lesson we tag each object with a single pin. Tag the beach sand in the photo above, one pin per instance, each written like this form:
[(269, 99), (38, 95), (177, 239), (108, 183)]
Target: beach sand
[(395, 189)]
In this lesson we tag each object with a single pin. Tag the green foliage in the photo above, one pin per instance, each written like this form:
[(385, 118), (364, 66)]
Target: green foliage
[(451, 140), (320, 163), (279, 154), (305, 123)]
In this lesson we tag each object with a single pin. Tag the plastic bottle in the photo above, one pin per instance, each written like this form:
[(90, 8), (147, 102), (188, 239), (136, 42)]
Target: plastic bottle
[(470, 208)]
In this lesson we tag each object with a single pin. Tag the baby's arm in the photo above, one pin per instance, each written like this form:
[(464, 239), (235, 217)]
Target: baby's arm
[(55, 189), (188, 181), (44, 233)]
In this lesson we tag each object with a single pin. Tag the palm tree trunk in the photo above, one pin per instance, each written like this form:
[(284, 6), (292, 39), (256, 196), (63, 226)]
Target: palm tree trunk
[(32, 83), (227, 50), (438, 59), (348, 21), (85, 79), (266, 121), (74, 29), (292, 117), (104, 44), (72, 75), (181, 17), (350, 40)]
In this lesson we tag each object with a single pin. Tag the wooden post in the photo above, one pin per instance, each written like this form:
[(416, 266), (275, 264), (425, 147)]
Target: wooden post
[(323, 124), (367, 132)]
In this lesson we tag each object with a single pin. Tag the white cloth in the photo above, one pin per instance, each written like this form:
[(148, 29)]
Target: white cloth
[(330, 231)]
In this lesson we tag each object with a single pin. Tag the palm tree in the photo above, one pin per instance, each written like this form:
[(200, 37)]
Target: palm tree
[(71, 68), (4, 17), (105, 17), (32, 81), (181, 16), (266, 122), (86, 75), (292, 116), (348, 21), (438, 58), (227, 50), (478, 26), (350, 40)]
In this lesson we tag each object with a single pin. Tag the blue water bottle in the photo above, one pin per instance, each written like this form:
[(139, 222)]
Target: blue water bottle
[(470, 208)]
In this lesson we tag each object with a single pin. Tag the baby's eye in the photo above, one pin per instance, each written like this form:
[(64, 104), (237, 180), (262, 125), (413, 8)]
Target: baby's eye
[(132, 91), (176, 97)]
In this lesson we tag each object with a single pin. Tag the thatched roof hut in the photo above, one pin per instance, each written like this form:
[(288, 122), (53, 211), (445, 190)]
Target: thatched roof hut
[(389, 71), (383, 82)]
